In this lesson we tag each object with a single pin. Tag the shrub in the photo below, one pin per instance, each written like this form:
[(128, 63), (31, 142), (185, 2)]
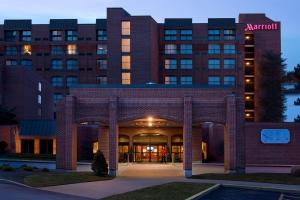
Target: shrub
[(3, 146), (28, 168), (295, 171), (45, 170), (7, 168), (99, 165)]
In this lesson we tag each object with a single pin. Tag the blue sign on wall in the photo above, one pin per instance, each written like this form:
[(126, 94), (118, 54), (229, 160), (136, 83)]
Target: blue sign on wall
[(275, 136)]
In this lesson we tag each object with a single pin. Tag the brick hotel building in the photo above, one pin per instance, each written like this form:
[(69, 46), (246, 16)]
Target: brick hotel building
[(134, 85)]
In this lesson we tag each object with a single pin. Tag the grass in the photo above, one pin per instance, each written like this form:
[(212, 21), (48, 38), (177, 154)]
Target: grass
[(62, 178), (256, 177), (172, 191)]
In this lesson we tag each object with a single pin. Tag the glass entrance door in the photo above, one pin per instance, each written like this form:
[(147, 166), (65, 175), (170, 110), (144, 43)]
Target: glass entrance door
[(148, 153)]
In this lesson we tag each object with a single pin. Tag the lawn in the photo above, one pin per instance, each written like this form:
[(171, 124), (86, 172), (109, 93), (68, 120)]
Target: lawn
[(256, 177), (172, 191)]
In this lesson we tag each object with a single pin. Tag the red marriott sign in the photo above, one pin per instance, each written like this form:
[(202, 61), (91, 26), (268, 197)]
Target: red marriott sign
[(262, 27)]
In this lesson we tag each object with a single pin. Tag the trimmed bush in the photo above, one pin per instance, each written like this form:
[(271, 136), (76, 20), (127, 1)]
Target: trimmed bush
[(28, 168), (45, 170), (295, 171), (99, 164), (3, 146), (7, 168)]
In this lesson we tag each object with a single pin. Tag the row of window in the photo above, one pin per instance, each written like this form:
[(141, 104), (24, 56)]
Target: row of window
[(215, 34), (212, 80), (184, 35), (188, 49), (216, 49), (58, 81), (184, 49)]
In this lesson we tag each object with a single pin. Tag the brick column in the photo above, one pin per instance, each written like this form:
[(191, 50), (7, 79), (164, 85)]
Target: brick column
[(66, 137), (113, 136), (187, 136), (197, 144), (103, 142)]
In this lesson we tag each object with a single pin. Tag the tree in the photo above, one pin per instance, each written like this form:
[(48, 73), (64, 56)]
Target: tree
[(270, 77), (297, 76), (99, 164), (7, 116), (297, 119)]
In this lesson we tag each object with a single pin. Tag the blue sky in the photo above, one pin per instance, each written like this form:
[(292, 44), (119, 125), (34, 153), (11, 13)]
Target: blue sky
[(86, 11)]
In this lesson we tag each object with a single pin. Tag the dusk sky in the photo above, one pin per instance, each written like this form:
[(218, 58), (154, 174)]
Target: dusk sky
[(86, 11)]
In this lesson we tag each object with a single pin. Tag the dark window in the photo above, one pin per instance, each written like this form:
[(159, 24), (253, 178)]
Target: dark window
[(229, 80), (57, 97), (57, 50), (186, 49), (186, 80), (229, 34), (27, 146), (26, 36), (213, 63), (56, 64), (10, 36), (186, 34), (27, 64), (214, 80), (46, 146), (72, 64), (57, 81), (71, 35), (102, 63), (101, 79), (229, 63), (186, 64), (71, 81), (214, 34), (56, 35), (11, 51), (214, 49), (101, 35), (170, 34), (229, 49)]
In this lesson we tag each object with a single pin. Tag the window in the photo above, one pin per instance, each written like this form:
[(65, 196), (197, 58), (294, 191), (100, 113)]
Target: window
[(229, 49), (101, 35), (56, 64), (125, 78), (101, 49), (186, 35), (57, 81), (214, 80), (71, 81), (170, 63), (125, 27), (56, 35), (11, 51), (170, 49), (39, 86), (71, 35), (10, 36), (26, 49), (170, 35), (57, 50), (102, 63), (170, 80), (72, 64), (11, 62), (229, 34), (229, 63), (101, 80), (186, 49), (71, 49), (125, 45), (186, 80), (27, 146), (229, 80), (125, 62), (186, 64), (39, 112), (46, 146), (214, 34), (213, 49), (26, 36), (57, 97), (39, 99), (27, 64), (213, 63)]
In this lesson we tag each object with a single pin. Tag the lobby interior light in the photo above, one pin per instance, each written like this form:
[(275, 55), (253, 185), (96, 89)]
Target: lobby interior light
[(248, 37), (248, 97), (248, 80), (150, 119), (150, 124), (248, 63), (248, 115)]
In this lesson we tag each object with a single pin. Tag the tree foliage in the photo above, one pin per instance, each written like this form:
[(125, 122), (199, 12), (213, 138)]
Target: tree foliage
[(99, 164), (297, 76), (297, 119), (271, 96), (7, 116)]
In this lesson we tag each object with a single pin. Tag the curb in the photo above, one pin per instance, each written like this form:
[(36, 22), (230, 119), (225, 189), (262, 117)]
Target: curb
[(16, 183), (204, 192)]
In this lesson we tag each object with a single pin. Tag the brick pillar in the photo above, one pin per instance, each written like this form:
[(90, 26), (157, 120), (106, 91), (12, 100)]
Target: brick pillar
[(197, 145), (187, 136), (66, 137), (113, 136), (103, 142), (36, 146)]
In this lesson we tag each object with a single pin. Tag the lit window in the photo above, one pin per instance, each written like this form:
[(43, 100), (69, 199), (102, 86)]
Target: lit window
[(57, 50), (170, 49), (40, 86), (56, 35), (213, 63), (72, 64), (170, 64), (101, 35), (125, 62), (213, 49), (26, 50), (186, 49), (170, 80), (57, 97), (71, 49), (170, 35), (214, 34), (125, 27), (101, 80), (39, 99), (56, 64), (11, 51), (101, 49), (126, 78), (229, 80), (71, 81), (102, 64), (229, 49), (186, 35), (186, 80), (27, 64), (229, 63), (229, 34), (214, 80), (186, 64), (57, 81), (125, 45), (26, 36), (71, 35), (11, 62), (10, 36)]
